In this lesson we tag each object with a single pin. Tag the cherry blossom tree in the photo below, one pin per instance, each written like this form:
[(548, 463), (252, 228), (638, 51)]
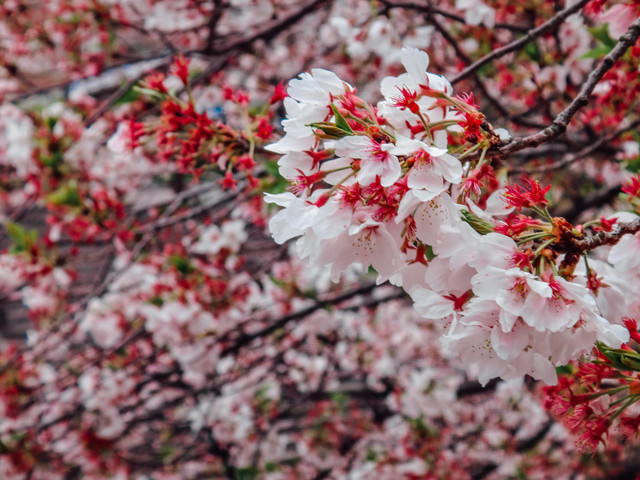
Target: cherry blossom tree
[(270, 239)]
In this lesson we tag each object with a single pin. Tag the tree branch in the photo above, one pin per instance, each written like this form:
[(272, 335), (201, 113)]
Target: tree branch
[(247, 338), (550, 24), (560, 123), (601, 238), (269, 32), (597, 200), (430, 9), (573, 157), (216, 15)]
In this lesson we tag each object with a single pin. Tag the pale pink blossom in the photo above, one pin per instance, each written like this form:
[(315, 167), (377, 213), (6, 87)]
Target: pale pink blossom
[(375, 159), (619, 18)]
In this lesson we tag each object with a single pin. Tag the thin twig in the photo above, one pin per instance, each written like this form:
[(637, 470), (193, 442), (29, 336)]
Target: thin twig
[(465, 58), (550, 24), (573, 157), (598, 200), (388, 5), (601, 238), (112, 99), (212, 25), (560, 123), (270, 32), (247, 338)]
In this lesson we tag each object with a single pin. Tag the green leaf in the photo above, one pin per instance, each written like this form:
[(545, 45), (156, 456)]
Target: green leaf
[(422, 429), (157, 301), (598, 52), (147, 92), (278, 183), (532, 51), (131, 95), (564, 370), (21, 240), (330, 130), (633, 164), (181, 264), (272, 168), (51, 122), (246, 473), (166, 452), (340, 399), (52, 160), (341, 122), (630, 363), (256, 110), (601, 33), (429, 253), (371, 456), (478, 224), (605, 42), (624, 360), (67, 195)]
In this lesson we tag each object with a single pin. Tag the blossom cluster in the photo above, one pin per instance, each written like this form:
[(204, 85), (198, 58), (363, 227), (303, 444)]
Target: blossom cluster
[(405, 187), (598, 401), (170, 338), (87, 395)]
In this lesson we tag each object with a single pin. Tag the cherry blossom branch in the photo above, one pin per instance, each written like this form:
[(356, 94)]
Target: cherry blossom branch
[(168, 220), (268, 33), (161, 35), (464, 57), (573, 157), (560, 123), (601, 238), (247, 338), (216, 15), (226, 51), (148, 234), (550, 24), (429, 8), (598, 200), (526, 444), (112, 99), (163, 59)]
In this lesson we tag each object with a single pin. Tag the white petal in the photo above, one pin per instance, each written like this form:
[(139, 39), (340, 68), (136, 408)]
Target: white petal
[(353, 146), (450, 167), (431, 305), (391, 172), (415, 62)]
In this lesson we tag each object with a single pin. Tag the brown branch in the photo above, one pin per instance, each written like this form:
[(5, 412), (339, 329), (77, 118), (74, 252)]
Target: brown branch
[(560, 123), (62, 85), (112, 99), (225, 51), (388, 5), (528, 443), (601, 238), (465, 58), (169, 219), (216, 15), (573, 157), (270, 32), (247, 338), (550, 24), (162, 35), (597, 200)]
